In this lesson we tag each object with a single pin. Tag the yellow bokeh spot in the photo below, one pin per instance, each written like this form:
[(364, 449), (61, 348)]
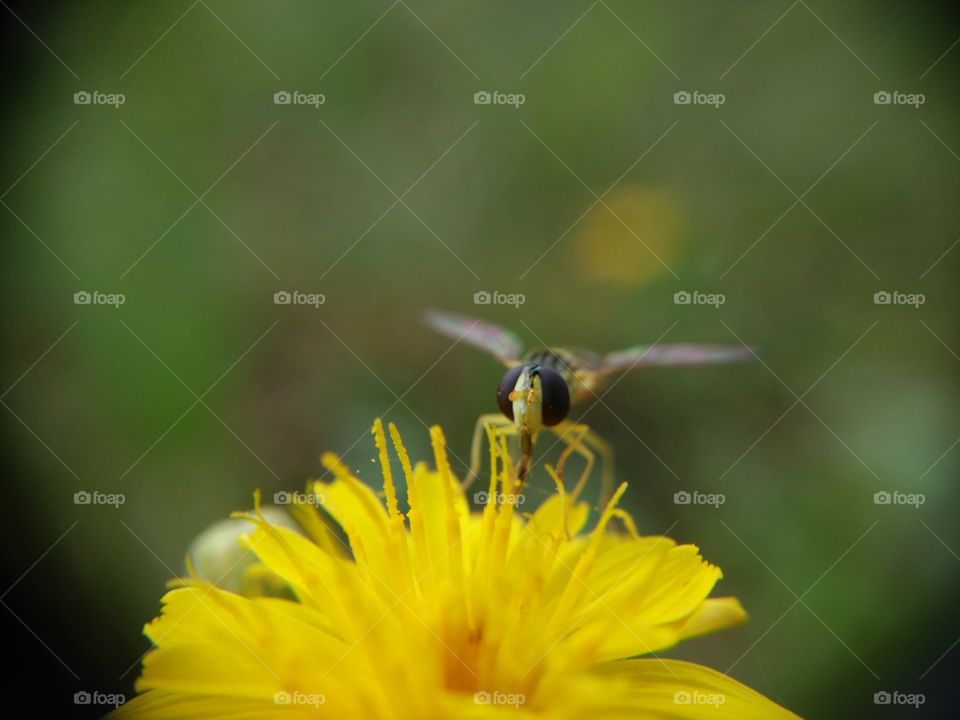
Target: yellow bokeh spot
[(629, 237)]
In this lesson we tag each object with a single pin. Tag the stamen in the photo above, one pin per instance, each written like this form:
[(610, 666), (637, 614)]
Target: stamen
[(490, 508), (438, 442), (389, 490), (563, 499), (421, 550), (440, 457), (404, 461), (608, 513)]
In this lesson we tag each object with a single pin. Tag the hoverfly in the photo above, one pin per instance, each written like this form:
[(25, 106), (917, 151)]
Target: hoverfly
[(540, 387)]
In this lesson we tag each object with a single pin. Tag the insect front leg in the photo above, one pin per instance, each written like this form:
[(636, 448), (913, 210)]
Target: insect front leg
[(572, 434), (584, 441), (591, 438), (502, 426)]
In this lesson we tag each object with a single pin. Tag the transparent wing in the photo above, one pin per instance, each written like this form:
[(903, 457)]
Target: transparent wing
[(673, 354), (492, 339)]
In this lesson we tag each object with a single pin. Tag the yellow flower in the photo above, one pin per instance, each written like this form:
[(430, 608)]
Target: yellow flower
[(444, 613)]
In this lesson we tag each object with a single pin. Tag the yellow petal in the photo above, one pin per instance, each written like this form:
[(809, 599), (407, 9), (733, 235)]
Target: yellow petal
[(677, 690), (160, 705), (211, 641), (715, 614)]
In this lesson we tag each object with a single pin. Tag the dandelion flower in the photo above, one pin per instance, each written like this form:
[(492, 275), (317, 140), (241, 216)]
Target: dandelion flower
[(442, 613)]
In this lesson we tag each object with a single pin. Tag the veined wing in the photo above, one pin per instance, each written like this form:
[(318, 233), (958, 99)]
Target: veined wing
[(673, 355), (492, 339), (578, 366)]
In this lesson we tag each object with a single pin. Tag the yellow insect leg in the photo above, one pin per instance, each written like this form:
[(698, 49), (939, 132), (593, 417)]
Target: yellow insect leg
[(502, 426), (572, 435), (582, 440), (605, 451)]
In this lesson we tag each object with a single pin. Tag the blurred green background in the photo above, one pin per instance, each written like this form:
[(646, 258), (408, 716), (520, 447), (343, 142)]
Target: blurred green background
[(598, 199)]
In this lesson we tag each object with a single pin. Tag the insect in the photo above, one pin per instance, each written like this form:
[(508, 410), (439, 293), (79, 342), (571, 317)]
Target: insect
[(540, 387)]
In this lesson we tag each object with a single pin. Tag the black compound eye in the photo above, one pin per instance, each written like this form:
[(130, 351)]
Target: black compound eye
[(507, 383), (556, 397)]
